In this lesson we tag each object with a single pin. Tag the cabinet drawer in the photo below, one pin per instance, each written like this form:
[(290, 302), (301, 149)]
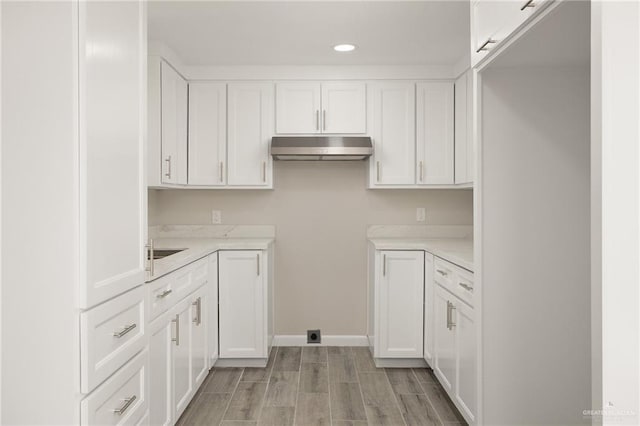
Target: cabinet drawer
[(122, 399), (111, 334), (162, 295), (457, 280)]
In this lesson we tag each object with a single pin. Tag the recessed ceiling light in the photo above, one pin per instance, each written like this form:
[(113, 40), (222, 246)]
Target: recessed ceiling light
[(344, 47)]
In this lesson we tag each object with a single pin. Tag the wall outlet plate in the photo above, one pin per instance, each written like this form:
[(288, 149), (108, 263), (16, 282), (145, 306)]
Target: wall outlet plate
[(313, 336), (216, 217), (421, 214)]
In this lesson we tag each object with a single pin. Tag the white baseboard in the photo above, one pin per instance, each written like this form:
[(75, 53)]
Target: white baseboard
[(400, 363), (301, 340)]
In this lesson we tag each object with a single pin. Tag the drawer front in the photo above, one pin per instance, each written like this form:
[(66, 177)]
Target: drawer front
[(457, 280), (111, 334), (162, 295), (122, 399), (444, 273)]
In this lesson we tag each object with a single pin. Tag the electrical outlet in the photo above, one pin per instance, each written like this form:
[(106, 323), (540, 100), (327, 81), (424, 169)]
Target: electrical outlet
[(216, 217), (421, 214)]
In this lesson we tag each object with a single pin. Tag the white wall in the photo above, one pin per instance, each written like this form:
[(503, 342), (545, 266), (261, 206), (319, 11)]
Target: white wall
[(321, 211), (615, 68), (40, 356)]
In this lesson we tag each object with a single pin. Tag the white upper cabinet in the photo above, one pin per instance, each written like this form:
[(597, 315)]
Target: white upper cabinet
[(391, 117), (434, 133), (313, 107), (492, 21), (174, 126), (464, 150), (112, 106), (399, 304), (298, 107), (207, 133), (250, 128), (344, 107)]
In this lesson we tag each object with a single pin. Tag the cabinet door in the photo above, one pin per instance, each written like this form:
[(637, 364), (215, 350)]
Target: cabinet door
[(250, 127), (344, 107), (207, 133), (199, 351), (444, 338), (112, 212), (161, 367), (489, 19), (174, 126), (391, 118), (242, 304), (434, 133), (465, 390), (212, 306), (464, 152), (182, 382), (429, 316), (400, 304), (298, 107)]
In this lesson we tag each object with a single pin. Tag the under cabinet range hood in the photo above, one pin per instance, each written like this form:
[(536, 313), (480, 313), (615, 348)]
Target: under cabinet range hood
[(321, 148)]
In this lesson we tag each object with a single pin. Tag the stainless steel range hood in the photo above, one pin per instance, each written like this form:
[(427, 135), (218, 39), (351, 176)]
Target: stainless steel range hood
[(321, 148)]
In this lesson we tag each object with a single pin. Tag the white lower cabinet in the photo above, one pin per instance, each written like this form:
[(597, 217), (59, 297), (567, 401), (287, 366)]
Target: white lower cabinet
[(243, 304), (399, 304), (429, 294), (465, 394), (455, 348), (179, 347), (445, 339)]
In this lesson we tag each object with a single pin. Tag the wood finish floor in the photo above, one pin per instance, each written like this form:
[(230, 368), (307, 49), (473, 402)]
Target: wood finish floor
[(316, 385)]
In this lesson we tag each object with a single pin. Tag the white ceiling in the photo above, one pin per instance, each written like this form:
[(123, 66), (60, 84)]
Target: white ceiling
[(303, 32)]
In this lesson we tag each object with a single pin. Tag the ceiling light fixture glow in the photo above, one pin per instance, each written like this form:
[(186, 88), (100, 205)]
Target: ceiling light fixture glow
[(344, 47)]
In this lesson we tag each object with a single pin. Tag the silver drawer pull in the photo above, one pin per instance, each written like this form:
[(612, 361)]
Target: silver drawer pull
[(466, 287), (127, 328), (441, 272), (127, 402), (485, 44), (176, 321), (528, 4), (164, 294)]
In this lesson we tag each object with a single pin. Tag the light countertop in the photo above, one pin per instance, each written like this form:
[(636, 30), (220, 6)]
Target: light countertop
[(197, 248), (458, 251)]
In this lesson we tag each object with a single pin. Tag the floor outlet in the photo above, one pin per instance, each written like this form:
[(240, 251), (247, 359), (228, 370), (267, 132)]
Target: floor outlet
[(313, 336)]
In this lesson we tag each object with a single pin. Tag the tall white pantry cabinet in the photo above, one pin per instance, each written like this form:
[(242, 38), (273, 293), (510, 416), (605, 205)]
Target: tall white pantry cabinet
[(73, 134)]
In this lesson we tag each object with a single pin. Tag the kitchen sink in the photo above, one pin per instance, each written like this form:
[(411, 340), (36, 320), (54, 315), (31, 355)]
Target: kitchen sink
[(162, 253)]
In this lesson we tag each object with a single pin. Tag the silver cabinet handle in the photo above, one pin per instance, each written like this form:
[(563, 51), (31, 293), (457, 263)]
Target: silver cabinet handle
[(151, 263), (384, 265), (466, 287), (485, 44), (176, 321), (164, 294), (324, 119), (127, 328), (448, 315), (421, 174), (378, 171), (441, 272), (127, 402), (258, 264), (528, 4), (264, 171), (221, 171), (317, 119), (198, 304), (451, 323), (168, 161)]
